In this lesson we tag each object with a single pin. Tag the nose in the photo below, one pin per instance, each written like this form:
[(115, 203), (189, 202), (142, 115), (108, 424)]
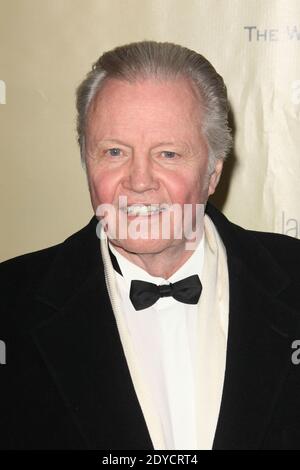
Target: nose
[(140, 176)]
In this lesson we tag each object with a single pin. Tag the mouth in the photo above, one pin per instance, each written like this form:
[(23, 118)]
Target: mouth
[(143, 209)]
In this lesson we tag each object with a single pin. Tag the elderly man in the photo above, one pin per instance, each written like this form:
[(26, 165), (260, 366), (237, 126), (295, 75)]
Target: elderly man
[(160, 325)]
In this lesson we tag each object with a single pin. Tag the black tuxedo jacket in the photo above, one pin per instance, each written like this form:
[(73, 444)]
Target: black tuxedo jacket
[(66, 384)]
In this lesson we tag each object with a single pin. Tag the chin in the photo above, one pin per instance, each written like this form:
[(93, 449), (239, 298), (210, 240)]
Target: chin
[(140, 246)]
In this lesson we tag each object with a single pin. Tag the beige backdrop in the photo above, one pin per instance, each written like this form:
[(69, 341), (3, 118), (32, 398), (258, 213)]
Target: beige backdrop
[(47, 46)]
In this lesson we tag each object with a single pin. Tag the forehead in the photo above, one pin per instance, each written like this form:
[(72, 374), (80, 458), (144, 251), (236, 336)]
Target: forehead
[(148, 106), (153, 85)]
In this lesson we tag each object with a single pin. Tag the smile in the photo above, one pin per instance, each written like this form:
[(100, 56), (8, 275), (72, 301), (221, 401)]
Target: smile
[(143, 209)]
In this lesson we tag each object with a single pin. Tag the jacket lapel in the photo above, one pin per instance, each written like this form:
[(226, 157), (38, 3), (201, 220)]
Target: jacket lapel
[(261, 331), (80, 345)]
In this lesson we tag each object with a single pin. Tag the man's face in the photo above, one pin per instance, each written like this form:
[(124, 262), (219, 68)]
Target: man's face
[(144, 142)]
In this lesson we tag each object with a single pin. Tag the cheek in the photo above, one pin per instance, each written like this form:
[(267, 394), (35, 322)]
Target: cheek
[(103, 185), (185, 187)]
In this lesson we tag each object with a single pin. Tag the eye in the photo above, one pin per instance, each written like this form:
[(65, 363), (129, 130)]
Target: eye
[(114, 152), (168, 154)]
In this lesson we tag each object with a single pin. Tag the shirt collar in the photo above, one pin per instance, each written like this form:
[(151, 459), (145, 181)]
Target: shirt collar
[(131, 271)]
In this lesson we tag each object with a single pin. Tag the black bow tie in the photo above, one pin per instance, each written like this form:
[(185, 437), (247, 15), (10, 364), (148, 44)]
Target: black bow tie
[(144, 294)]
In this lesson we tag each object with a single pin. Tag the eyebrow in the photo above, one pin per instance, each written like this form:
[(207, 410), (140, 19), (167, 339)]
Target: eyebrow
[(177, 145), (113, 141), (120, 142), (160, 144)]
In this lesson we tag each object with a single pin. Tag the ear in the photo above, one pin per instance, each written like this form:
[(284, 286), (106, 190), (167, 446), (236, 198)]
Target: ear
[(215, 177)]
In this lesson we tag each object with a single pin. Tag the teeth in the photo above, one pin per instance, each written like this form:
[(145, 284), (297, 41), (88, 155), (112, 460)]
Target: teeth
[(141, 209)]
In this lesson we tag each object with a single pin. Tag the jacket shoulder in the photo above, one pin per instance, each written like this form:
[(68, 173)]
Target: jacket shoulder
[(26, 269), (285, 249), (21, 277)]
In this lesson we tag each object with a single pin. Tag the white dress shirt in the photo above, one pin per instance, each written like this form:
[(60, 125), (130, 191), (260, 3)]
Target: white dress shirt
[(164, 338)]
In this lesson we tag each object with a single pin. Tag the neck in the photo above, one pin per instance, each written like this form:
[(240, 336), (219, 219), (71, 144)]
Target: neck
[(162, 264)]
